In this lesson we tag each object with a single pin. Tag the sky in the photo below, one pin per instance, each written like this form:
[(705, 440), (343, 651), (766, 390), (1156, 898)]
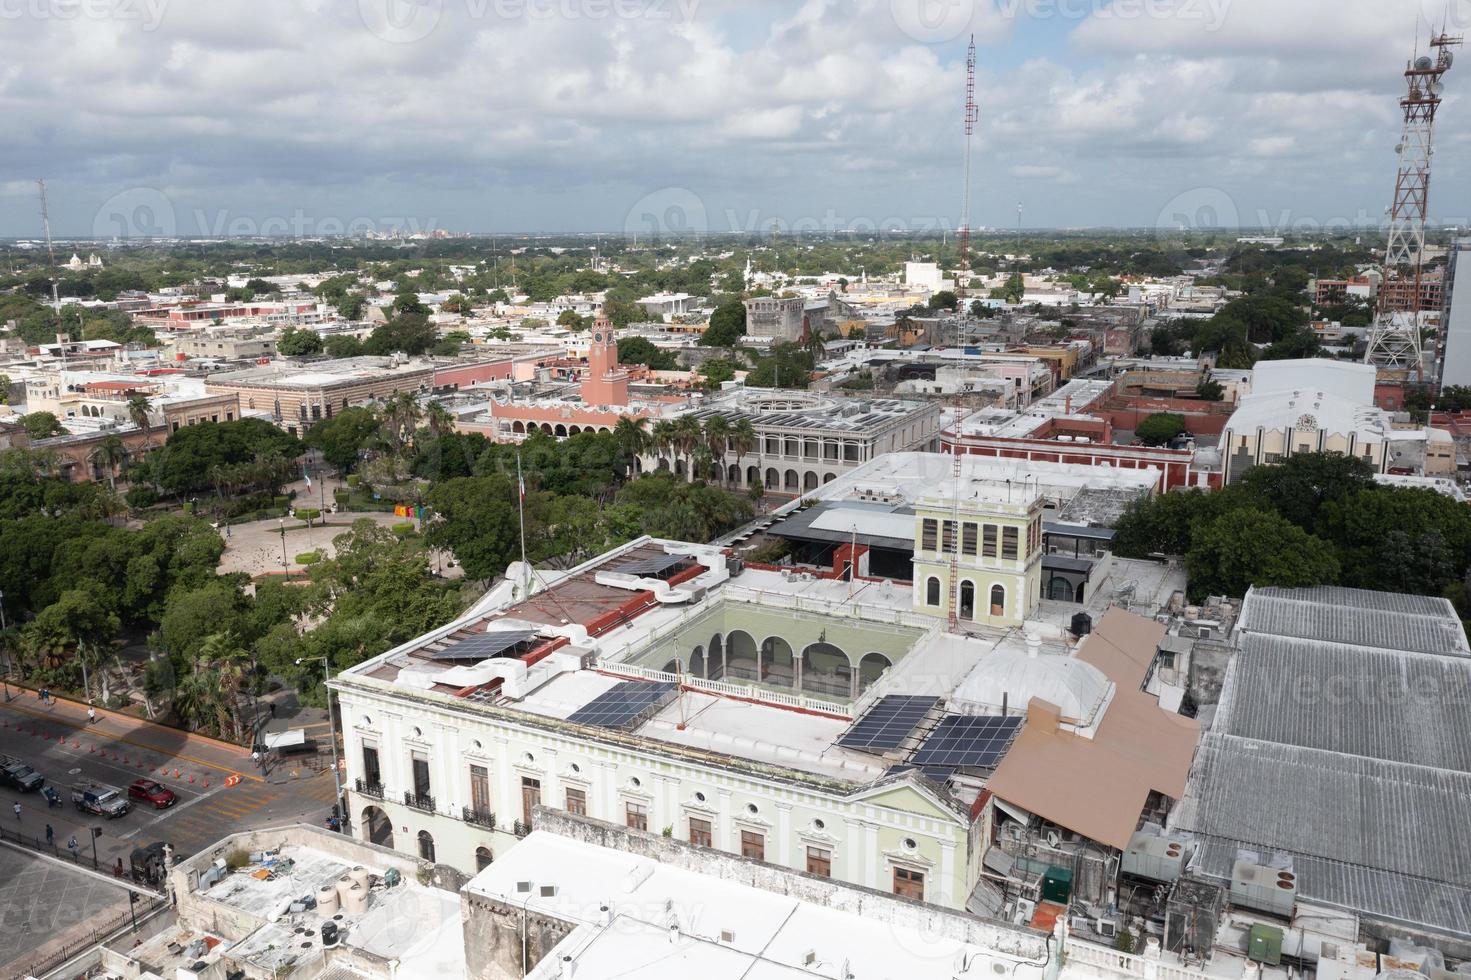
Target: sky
[(307, 117)]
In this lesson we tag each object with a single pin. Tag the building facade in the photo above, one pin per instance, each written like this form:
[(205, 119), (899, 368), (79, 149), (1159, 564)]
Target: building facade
[(299, 396), (982, 557)]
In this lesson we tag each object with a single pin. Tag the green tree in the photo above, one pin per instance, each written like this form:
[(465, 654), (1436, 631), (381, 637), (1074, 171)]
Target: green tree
[(1244, 548), (1299, 486), (1398, 539), (716, 371), (480, 525), (727, 325), (570, 320), (945, 299), (193, 616), (638, 350), (295, 342), (1160, 428), (1210, 390), (42, 425), (410, 333), (343, 345), (76, 617)]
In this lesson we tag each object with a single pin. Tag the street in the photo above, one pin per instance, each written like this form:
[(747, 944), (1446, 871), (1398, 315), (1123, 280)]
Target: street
[(58, 743)]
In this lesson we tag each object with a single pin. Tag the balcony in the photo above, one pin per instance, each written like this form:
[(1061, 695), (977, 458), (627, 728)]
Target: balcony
[(419, 801), (521, 828), (480, 818), (365, 788)]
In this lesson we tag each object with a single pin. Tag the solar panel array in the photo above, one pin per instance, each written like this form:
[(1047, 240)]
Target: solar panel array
[(968, 741), (655, 565), (625, 706), (483, 646), (888, 723)]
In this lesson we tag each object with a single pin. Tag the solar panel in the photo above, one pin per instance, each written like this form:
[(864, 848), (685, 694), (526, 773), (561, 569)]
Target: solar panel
[(967, 741), (938, 773), (655, 565), (483, 646), (625, 706), (888, 723)]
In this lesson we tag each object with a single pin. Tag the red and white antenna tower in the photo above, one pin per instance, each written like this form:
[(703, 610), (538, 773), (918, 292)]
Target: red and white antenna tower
[(1394, 337)]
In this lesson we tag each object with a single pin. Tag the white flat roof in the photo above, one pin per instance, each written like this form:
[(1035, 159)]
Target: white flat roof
[(771, 934)]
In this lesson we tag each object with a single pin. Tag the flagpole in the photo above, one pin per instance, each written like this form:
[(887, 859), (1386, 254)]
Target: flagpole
[(521, 516)]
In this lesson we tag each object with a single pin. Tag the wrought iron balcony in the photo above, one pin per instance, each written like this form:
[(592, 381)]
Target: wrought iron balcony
[(480, 818), (419, 801), (375, 790), (521, 828)]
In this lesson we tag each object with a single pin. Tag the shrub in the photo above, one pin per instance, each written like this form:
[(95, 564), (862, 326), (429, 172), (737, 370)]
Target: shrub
[(308, 513), (353, 480), (140, 497), (281, 502), (403, 529), (308, 557)]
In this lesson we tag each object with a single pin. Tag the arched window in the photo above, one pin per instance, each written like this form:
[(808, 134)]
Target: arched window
[(871, 668), (715, 663), (826, 670), (998, 600), (483, 857), (932, 592), (740, 656), (426, 846), (778, 667), (697, 662), (967, 599)]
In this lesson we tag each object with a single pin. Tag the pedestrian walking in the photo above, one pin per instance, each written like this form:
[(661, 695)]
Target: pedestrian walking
[(254, 758), (117, 870), (91, 715), (45, 696), (273, 709), (16, 807), (72, 845), (50, 836)]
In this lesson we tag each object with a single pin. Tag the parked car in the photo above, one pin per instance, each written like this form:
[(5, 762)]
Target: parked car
[(150, 791), (17, 775), (104, 801)]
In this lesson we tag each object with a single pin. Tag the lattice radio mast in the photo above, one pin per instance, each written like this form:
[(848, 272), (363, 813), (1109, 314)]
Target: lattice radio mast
[(1394, 337)]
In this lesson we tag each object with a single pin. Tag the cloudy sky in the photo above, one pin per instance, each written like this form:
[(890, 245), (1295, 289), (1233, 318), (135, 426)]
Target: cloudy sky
[(206, 117)]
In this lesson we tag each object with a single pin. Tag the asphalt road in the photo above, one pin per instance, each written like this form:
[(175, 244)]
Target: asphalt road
[(64, 753)]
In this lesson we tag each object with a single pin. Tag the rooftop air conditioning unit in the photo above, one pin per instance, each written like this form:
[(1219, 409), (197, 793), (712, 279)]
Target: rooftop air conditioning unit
[(1266, 889)]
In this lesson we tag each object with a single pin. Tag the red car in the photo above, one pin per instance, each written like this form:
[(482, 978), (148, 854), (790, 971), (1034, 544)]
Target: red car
[(151, 792)]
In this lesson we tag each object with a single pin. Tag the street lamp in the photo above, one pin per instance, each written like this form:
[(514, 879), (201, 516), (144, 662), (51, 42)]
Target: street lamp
[(5, 678), (285, 566), (332, 728)]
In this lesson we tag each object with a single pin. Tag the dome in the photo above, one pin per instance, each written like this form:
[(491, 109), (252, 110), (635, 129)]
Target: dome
[(1014, 677)]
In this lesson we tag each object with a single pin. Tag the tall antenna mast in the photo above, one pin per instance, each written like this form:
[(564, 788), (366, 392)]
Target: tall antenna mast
[(972, 114), (50, 250), (1394, 337)]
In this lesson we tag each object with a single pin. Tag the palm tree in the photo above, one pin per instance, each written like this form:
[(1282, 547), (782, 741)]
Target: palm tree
[(688, 433), (438, 419), (108, 456), (717, 439), (742, 439), (664, 437), (138, 408), (632, 439)]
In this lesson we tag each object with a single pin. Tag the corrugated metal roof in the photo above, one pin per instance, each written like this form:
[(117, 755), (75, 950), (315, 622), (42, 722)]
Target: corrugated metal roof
[(1343, 738), (1401, 707), (1373, 619), (1382, 815)]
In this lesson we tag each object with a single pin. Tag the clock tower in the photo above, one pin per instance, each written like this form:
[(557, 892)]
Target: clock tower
[(606, 382)]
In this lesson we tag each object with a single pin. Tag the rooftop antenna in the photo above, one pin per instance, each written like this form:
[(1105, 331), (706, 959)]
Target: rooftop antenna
[(50, 249), (972, 115)]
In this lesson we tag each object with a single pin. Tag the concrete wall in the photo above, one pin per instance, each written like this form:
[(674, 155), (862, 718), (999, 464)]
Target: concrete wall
[(506, 943)]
